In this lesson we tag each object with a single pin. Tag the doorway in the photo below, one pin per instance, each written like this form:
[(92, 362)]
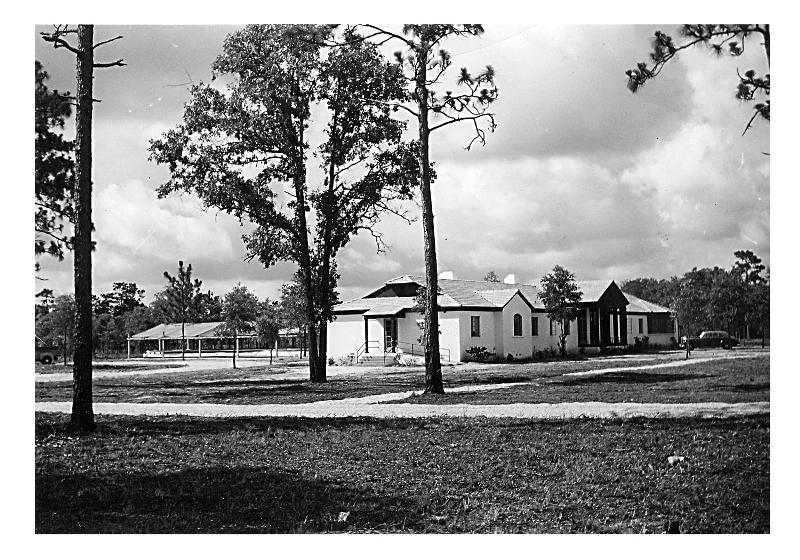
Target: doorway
[(390, 334)]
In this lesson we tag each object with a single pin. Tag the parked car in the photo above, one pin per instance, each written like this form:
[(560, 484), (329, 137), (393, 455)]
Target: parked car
[(711, 339), (45, 354)]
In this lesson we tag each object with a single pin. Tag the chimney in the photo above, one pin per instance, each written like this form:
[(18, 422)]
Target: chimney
[(447, 275), (510, 279)]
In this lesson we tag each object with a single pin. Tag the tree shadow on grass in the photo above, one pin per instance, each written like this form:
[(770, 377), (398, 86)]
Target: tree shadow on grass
[(53, 425), (213, 500), (630, 377)]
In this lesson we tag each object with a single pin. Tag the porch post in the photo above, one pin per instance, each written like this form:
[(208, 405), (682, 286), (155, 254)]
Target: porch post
[(623, 326), (129, 348), (199, 347), (366, 336)]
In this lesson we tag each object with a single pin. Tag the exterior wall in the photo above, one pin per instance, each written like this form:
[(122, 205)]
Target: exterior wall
[(345, 335), (375, 333), (487, 338), (408, 330), (655, 338), (545, 340), (499, 334), (450, 337), (520, 347)]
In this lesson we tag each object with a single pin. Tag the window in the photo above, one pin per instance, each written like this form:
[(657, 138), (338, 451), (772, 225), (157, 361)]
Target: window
[(566, 328), (552, 327), (661, 323), (475, 326), (517, 324), (641, 326), (535, 326)]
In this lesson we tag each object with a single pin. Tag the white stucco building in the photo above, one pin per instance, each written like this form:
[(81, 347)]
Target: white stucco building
[(507, 318)]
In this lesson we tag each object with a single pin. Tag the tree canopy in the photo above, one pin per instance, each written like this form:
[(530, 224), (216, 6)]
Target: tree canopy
[(238, 150), (560, 295), (239, 313), (718, 38), (54, 169), (735, 299)]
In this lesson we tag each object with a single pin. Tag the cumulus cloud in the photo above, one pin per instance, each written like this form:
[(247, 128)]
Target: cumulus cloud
[(579, 172), (134, 221)]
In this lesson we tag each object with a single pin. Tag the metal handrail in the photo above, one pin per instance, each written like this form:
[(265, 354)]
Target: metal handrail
[(411, 348), (365, 348)]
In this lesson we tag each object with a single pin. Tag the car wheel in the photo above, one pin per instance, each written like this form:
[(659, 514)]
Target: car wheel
[(726, 346), (47, 360)]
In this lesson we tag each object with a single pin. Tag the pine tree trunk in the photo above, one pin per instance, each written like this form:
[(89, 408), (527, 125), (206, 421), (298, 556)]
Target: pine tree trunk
[(82, 418), (433, 366)]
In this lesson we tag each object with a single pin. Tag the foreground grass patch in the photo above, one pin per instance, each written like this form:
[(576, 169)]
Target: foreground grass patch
[(191, 475)]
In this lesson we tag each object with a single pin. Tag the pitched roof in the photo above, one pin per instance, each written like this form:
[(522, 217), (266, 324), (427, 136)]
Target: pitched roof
[(638, 305), (473, 293), (173, 330), (593, 290), (480, 293)]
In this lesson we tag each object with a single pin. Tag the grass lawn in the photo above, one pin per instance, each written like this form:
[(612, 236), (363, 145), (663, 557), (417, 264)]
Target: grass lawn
[(723, 380), (190, 475), (726, 380), (109, 366)]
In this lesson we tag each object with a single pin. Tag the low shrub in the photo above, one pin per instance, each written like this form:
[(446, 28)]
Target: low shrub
[(348, 360), (478, 353)]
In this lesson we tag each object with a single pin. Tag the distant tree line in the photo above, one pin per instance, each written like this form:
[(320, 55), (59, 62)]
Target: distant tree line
[(735, 299), (121, 312)]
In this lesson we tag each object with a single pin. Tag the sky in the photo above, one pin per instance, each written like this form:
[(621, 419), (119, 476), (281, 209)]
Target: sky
[(579, 172)]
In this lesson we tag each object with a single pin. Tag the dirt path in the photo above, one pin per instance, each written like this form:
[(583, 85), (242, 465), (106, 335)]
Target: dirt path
[(345, 409)]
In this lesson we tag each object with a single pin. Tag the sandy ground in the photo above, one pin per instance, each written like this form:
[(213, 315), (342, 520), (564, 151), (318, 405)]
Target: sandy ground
[(348, 408)]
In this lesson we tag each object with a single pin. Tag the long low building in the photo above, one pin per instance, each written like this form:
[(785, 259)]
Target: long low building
[(199, 338), (506, 318)]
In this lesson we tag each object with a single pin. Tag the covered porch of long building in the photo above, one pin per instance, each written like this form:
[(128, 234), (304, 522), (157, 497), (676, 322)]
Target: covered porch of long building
[(190, 338)]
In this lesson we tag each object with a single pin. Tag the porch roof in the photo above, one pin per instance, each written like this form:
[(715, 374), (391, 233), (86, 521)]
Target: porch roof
[(173, 331), (374, 307)]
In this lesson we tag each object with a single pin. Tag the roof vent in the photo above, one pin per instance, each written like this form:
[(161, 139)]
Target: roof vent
[(510, 279), (447, 275)]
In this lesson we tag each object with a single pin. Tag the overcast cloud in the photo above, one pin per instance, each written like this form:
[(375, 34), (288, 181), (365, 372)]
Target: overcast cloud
[(579, 172)]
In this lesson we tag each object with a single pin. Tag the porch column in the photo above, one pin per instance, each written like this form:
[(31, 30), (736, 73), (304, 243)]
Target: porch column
[(623, 326), (615, 319), (129, 348), (236, 345), (366, 335), (199, 347)]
